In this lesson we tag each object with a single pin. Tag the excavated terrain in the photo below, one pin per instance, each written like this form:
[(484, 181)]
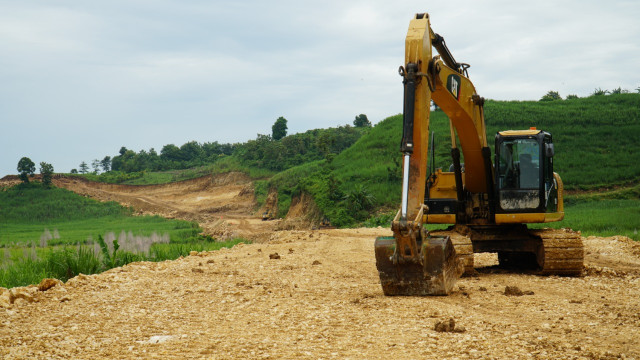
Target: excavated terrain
[(313, 294)]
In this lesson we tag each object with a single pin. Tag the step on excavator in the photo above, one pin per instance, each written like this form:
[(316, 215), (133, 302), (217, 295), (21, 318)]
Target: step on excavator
[(488, 204)]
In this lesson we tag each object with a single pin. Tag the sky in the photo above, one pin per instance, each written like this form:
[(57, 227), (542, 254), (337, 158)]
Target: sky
[(81, 79)]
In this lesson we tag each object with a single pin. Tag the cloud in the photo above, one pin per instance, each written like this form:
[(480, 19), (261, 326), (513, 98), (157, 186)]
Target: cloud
[(80, 80)]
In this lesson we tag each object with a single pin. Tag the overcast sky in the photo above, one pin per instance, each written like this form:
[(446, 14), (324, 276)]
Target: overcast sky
[(80, 79)]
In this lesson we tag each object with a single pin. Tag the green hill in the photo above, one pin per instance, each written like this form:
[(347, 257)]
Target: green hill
[(595, 138), (353, 174)]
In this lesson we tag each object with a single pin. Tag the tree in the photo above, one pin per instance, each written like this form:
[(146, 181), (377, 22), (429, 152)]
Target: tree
[(279, 129), (361, 121), (171, 152), (358, 200), (46, 170), (122, 150), (599, 92), (571, 97), (95, 164), (191, 151), (619, 90), (106, 163), (550, 96), (84, 168), (26, 167), (638, 89), (73, 171)]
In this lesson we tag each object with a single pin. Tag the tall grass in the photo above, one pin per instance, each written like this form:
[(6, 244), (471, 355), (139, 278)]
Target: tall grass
[(66, 262)]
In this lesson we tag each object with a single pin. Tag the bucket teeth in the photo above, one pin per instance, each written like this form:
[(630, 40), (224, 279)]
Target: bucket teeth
[(436, 275)]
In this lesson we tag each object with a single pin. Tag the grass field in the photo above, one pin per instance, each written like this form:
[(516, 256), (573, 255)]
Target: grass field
[(592, 218), (29, 212), (57, 233), (602, 218)]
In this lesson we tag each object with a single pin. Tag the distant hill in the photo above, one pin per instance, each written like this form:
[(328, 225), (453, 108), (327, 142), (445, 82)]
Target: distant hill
[(354, 172)]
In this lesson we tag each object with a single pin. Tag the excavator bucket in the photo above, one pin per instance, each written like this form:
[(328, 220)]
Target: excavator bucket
[(435, 274)]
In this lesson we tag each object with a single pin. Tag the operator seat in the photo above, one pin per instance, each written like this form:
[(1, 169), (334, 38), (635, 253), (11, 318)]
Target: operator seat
[(529, 173)]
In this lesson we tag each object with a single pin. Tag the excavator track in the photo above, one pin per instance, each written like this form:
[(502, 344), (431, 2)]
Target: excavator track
[(562, 252), (557, 251)]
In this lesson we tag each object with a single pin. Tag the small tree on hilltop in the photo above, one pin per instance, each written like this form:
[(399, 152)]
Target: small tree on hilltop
[(361, 121), (619, 90), (84, 168), (106, 163), (279, 129), (600, 92), (95, 164), (550, 96), (26, 167), (46, 170)]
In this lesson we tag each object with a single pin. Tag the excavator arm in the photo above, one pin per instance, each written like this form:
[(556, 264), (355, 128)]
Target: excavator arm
[(442, 80), (412, 262)]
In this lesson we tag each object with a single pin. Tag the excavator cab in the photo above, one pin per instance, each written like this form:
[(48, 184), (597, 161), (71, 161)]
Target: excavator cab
[(525, 181)]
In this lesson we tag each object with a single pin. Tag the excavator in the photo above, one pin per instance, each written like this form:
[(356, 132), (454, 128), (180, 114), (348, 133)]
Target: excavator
[(488, 204)]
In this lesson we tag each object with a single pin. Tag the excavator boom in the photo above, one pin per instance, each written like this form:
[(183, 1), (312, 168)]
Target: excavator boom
[(412, 262)]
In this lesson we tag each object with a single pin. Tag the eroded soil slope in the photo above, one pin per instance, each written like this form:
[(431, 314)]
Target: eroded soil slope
[(223, 204)]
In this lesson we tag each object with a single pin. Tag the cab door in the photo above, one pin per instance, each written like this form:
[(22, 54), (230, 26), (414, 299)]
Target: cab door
[(519, 173)]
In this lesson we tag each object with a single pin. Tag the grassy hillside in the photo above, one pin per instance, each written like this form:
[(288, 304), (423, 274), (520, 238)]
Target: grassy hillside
[(595, 141), (596, 138)]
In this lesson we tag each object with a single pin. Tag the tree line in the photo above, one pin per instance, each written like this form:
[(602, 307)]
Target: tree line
[(554, 95), (274, 152)]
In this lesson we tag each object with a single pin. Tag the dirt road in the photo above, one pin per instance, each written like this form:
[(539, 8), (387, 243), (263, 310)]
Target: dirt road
[(320, 298)]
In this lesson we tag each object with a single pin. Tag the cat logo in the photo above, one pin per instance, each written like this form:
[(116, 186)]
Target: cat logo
[(453, 85)]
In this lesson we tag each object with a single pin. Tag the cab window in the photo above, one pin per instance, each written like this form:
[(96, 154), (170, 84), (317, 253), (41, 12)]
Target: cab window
[(519, 164)]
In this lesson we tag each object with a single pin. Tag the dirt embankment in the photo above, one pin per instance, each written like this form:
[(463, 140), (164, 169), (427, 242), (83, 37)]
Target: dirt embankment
[(222, 204), (319, 297)]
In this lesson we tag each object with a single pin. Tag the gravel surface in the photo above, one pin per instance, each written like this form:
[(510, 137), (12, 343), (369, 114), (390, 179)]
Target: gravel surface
[(312, 295), (321, 299)]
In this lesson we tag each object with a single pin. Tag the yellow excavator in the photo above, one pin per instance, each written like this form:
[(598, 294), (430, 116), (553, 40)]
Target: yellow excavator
[(488, 203)]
